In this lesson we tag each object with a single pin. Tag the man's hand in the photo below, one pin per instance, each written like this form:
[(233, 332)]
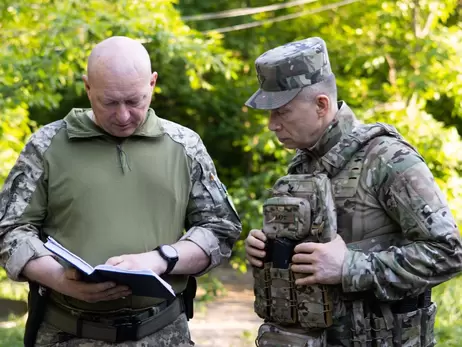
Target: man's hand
[(321, 261), (142, 261), (48, 272), (69, 284), (255, 247)]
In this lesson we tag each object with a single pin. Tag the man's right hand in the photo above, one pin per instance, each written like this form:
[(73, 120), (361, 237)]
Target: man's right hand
[(48, 272), (69, 284), (255, 247)]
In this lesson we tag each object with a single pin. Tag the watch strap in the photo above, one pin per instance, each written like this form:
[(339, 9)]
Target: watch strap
[(171, 262)]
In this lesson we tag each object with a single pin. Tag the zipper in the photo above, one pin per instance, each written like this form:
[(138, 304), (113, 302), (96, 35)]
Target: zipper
[(123, 160)]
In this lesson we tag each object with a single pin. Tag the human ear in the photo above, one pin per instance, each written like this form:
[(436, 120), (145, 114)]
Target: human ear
[(322, 105), (153, 80)]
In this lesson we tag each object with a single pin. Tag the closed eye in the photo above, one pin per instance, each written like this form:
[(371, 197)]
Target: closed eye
[(133, 102)]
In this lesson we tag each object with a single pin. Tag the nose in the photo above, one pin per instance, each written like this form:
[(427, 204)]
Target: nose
[(273, 124), (123, 114)]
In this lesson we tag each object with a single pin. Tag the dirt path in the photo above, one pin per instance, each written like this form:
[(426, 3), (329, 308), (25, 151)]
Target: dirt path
[(228, 321)]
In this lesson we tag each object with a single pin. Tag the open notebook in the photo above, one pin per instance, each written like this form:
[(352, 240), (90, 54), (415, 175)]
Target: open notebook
[(141, 282)]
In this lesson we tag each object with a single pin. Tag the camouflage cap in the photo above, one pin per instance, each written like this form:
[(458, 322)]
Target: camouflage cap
[(283, 72)]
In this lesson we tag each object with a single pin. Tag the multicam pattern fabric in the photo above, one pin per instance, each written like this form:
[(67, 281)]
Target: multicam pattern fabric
[(285, 70), (394, 194), (174, 335), (272, 335), (316, 190), (302, 209)]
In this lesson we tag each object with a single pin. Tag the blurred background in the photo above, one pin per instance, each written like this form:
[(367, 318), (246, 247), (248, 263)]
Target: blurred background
[(398, 62)]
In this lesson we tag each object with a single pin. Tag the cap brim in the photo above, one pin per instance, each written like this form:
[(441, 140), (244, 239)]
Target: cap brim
[(266, 100)]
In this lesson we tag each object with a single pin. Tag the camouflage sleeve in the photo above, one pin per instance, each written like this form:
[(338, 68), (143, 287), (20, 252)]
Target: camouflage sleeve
[(212, 221), (432, 253), (23, 201)]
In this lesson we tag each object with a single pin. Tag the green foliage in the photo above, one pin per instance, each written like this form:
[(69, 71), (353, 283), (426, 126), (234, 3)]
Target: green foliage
[(395, 61), (447, 326), (11, 334)]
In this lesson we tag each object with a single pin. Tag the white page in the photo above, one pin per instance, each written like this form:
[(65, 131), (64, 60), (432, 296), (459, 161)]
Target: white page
[(137, 272), (55, 247)]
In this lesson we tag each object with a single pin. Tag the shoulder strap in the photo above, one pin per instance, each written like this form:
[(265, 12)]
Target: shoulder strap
[(345, 149)]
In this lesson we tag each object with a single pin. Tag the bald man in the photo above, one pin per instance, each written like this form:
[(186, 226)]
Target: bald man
[(116, 185)]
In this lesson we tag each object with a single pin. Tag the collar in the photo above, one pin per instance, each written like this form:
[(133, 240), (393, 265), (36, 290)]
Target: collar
[(342, 125), (79, 124)]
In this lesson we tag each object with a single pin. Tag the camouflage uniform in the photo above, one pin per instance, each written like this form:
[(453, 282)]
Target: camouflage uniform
[(175, 334), (163, 170), (401, 235)]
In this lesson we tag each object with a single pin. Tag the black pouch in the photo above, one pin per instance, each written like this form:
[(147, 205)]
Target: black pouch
[(188, 296)]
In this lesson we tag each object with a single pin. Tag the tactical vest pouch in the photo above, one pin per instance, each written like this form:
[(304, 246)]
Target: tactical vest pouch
[(286, 217), (428, 322), (314, 305), (270, 335), (301, 210), (283, 300), (407, 329), (381, 334), (262, 282)]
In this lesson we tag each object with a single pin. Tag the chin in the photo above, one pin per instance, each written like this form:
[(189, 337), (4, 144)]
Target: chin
[(124, 133), (289, 145)]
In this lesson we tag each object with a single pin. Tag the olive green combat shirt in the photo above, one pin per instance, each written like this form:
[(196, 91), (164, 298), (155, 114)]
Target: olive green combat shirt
[(101, 196)]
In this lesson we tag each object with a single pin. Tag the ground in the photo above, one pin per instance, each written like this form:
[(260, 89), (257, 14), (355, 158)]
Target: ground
[(229, 320)]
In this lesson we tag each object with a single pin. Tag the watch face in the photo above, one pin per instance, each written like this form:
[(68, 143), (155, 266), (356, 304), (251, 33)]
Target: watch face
[(169, 251)]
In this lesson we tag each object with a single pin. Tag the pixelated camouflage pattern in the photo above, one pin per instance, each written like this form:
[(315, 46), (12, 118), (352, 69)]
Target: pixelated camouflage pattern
[(273, 335), (394, 198), (213, 221), (283, 71), (174, 335), (21, 243)]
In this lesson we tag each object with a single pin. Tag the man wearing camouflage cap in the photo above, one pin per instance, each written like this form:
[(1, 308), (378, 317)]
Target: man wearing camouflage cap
[(395, 235)]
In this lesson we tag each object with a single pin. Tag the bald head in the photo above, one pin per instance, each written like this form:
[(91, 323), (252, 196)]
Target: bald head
[(118, 57), (119, 84)]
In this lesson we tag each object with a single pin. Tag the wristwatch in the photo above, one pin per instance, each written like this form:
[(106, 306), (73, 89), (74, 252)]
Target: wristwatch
[(170, 255)]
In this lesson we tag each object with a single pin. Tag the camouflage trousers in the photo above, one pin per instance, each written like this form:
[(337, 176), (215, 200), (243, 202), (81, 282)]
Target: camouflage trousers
[(175, 334)]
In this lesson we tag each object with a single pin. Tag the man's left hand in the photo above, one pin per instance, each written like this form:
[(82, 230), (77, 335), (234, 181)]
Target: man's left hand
[(143, 261), (322, 262)]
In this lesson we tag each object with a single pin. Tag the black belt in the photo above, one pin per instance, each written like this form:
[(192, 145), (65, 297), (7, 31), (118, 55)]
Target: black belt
[(117, 329), (408, 304)]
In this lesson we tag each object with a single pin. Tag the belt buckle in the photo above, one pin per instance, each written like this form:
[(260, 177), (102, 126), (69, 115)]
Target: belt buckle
[(127, 328)]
